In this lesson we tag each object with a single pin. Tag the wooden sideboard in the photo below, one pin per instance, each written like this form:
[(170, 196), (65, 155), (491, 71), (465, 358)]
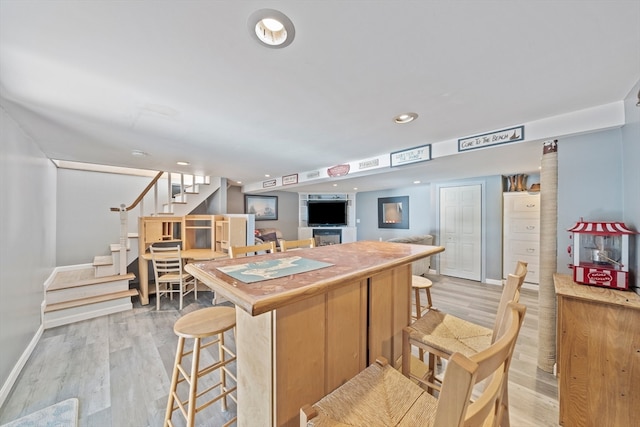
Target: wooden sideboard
[(301, 336), (598, 346)]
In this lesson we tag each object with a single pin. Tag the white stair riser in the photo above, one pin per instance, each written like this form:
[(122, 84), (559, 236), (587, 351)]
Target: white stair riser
[(105, 270), (89, 311), (70, 294)]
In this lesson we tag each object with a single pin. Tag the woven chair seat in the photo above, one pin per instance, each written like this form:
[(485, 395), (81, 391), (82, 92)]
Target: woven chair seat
[(376, 397), (450, 334)]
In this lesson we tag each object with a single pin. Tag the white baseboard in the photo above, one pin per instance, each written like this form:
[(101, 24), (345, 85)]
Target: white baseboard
[(13, 376), (77, 314), (493, 282)]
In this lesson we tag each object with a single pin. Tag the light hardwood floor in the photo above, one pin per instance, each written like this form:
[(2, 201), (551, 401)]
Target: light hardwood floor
[(119, 366)]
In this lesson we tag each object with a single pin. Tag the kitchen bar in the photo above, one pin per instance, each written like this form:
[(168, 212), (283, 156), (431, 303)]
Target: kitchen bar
[(301, 336)]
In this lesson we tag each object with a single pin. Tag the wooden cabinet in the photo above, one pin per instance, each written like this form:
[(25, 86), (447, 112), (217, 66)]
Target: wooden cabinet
[(230, 231), (521, 233), (598, 346), (202, 237), (198, 232), (159, 229)]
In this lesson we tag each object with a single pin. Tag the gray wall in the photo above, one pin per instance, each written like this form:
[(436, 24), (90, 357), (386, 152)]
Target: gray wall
[(420, 210), (287, 213), (86, 227), (598, 179), (589, 184), (423, 217), (27, 245)]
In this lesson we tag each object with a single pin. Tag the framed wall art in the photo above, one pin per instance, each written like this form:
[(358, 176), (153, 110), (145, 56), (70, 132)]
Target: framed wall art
[(265, 208), (393, 212)]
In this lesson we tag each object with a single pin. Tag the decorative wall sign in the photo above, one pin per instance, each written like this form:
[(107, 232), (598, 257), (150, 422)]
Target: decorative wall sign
[(492, 138), (290, 179), (412, 155), (366, 164), (270, 183), (314, 174), (338, 170)]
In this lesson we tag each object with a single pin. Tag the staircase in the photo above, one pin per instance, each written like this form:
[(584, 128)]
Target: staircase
[(79, 292)]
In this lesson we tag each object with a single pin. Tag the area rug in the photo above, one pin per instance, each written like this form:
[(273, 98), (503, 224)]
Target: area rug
[(62, 414)]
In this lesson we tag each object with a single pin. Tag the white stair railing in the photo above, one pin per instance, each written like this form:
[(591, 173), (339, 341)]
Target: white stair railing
[(122, 268)]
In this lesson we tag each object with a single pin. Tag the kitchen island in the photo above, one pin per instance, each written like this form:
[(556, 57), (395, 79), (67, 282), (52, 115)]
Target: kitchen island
[(301, 336)]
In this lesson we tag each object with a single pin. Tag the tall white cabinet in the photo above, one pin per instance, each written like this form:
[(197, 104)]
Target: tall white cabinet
[(521, 233)]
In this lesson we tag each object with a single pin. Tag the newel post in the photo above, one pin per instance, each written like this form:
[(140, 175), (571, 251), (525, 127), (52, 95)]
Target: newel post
[(123, 240)]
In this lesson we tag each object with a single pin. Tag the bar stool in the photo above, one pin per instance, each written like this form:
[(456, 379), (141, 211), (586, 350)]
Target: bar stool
[(418, 283), (198, 325)]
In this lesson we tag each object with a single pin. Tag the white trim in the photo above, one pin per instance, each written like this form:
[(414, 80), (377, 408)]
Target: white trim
[(80, 313), (17, 368)]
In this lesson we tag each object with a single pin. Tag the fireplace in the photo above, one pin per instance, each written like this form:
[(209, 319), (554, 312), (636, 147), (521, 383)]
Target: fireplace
[(327, 236)]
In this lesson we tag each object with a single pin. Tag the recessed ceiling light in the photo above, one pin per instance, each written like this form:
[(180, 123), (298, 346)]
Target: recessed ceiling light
[(416, 182), (266, 175), (405, 118), (183, 163), (271, 28), (335, 185), (138, 153)]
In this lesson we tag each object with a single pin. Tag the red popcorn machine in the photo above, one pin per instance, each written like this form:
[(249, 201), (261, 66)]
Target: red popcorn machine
[(601, 253)]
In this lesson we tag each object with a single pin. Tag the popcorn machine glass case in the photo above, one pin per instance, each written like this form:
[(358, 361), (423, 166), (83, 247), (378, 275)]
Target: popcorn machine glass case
[(601, 254)]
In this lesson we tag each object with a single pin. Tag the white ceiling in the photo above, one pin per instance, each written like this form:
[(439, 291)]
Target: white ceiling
[(91, 81)]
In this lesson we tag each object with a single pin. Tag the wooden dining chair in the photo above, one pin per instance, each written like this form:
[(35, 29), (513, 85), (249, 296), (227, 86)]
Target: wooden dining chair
[(441, 334), (287, 245), (381, 396), (168, 272), (267, 247)]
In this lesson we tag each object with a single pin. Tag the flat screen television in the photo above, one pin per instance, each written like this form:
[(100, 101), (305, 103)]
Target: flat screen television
[(328, 213)]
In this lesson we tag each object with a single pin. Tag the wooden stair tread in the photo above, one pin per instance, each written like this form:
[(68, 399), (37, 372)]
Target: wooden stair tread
[(58, 285), (100, 260), (90, 300), (115, 247)]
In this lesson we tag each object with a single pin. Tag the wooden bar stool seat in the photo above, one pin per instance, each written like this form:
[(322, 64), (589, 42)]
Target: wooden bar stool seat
[(419, 283), (199, 325)]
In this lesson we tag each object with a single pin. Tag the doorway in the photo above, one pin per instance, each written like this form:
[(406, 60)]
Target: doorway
[(461, 231)]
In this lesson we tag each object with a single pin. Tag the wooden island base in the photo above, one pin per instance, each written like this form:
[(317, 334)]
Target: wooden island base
[(302, 336)]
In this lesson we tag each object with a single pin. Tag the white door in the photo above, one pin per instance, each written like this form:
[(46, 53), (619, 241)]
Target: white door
[(460, 231)]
